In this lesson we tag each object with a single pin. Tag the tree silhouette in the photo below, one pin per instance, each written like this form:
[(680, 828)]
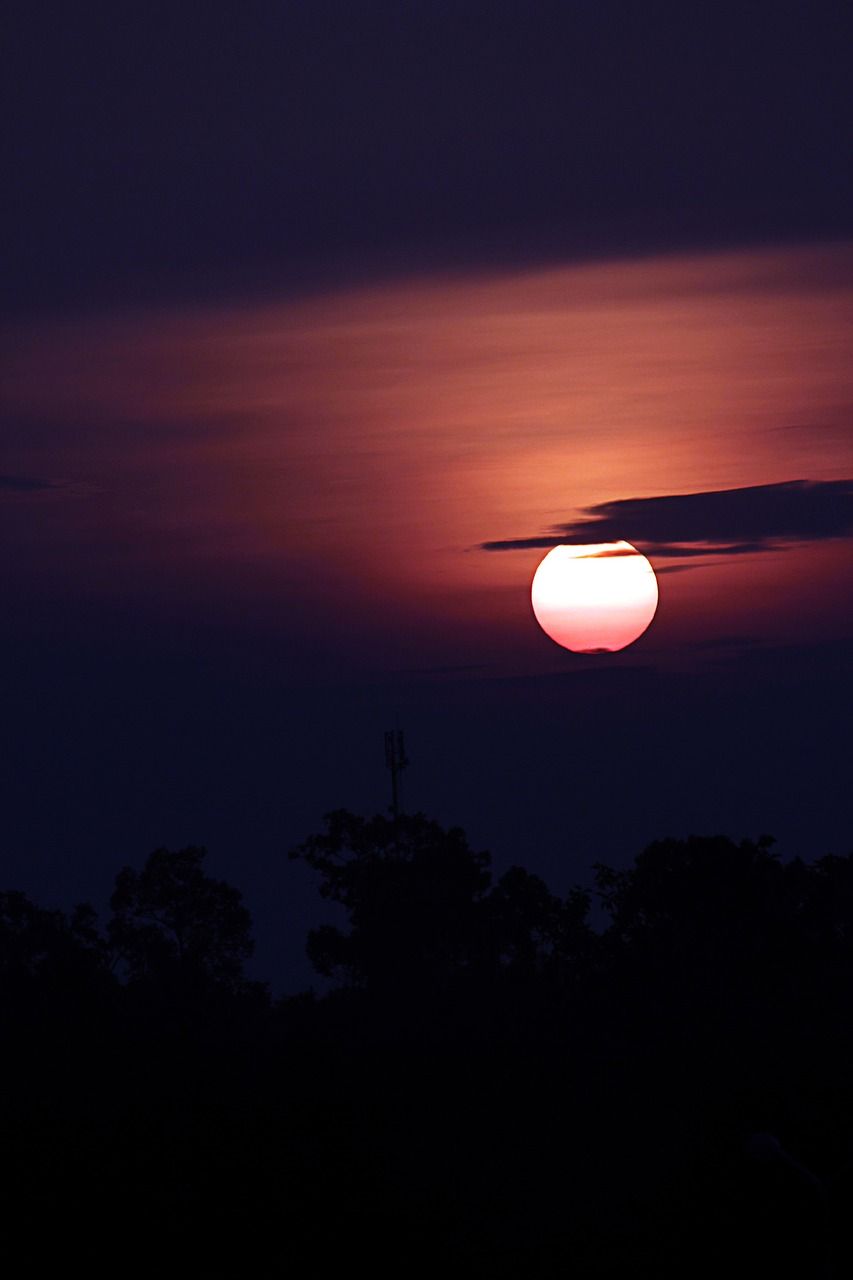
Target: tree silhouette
[(38, 945), (422, 912), (413, 892), (172, 917), (533, 930), (705, 919)]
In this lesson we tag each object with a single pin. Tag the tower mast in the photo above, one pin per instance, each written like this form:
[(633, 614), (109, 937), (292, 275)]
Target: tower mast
[(395, 759)]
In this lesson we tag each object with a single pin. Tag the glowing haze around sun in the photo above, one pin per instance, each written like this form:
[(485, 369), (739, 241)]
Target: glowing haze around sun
[(596, 598)]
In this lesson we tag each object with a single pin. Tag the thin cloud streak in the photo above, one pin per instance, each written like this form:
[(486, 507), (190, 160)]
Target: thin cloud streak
[(24, 484)]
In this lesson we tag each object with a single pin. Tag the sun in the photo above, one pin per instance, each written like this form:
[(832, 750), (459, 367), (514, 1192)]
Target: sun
[(596, 598)]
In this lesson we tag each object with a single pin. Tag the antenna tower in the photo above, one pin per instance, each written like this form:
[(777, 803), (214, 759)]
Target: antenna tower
[(395, 759)]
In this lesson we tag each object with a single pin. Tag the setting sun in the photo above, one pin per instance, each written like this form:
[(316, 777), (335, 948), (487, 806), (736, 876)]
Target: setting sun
[(596, 598)]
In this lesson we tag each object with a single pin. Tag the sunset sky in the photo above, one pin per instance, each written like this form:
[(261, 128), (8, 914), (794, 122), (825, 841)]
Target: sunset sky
[(324, 323)]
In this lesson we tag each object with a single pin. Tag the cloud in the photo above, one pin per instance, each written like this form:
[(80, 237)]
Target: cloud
[(23, 484), (19, 488), (610, 553), (717, 522)]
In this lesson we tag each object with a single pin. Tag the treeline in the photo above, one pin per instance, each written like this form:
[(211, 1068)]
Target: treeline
[(491, 1086)]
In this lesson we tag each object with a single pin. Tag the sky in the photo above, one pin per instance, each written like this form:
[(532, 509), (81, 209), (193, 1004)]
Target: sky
[(322, 324)]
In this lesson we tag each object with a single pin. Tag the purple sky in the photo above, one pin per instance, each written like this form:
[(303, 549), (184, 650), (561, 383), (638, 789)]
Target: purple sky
[(323, 324)]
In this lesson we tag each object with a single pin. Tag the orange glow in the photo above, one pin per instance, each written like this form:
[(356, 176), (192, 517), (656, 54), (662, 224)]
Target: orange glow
[(358, 447), (594, 599)]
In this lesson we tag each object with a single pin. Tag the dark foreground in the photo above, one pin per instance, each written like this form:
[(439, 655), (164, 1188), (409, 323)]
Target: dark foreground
[(492, 1089)]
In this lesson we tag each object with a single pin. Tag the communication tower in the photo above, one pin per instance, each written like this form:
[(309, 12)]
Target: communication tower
[(396, 760)]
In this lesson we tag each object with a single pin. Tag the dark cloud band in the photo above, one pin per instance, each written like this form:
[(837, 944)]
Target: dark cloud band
[(716, 522)]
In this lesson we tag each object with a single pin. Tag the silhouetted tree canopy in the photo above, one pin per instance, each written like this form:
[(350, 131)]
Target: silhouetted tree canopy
[(533, 929), (172, 916), (722, 912), (422, 908), (696, 885), (48, 946), (413, 893)]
